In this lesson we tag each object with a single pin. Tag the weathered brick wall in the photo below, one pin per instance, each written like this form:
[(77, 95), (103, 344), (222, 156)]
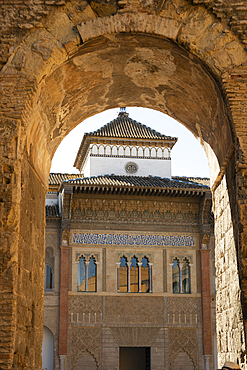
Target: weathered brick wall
[(19, 17), (38, 108), (230, 329)]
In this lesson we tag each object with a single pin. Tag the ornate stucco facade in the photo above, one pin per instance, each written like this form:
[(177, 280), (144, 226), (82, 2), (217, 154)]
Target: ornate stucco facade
[(119, 223)]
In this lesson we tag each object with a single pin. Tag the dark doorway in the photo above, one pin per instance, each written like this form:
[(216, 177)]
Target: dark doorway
[(134, 358)]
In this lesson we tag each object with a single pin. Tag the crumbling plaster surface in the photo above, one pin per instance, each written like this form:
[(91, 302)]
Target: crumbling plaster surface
[(63, 61)]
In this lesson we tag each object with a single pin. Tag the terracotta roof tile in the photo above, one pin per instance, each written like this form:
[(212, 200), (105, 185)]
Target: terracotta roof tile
[(125, 127), (197, 180), (136, 181), (52, 211), (57, 178)]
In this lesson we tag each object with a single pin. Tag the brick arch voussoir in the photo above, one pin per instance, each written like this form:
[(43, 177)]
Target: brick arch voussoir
[(196, 30)]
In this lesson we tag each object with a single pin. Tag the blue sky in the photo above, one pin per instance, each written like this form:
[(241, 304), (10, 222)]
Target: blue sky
[(188, 156)]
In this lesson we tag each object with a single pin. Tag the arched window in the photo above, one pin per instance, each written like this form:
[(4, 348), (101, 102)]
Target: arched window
[(81, 280), (121, 150), (134, 275), (87, 275), (47, 351), (140, 152), (48, 277), (92, 275), (146, 152), (175, 276), (134, 152), (94, 149), (186, 276), (123, 275), (159, 153), (145, 275), (127, 151), (108, 150), (49, 269), (181, 280), (101, 149)]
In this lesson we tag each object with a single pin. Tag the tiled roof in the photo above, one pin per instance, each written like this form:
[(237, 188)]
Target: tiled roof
[(52, 211), (196, 180), (125, 127), (121, 128), (57, 178), (135, 181)]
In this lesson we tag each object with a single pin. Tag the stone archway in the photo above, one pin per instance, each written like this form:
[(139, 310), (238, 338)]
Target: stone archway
[(163, 58)]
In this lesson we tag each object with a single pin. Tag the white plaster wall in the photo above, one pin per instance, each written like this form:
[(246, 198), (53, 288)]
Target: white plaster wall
[(86, 169), (116, 166), (47, 349), (51, 199)]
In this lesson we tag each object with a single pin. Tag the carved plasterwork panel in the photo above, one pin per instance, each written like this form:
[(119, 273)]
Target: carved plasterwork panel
[(118, 210), (183, 310), (136, 337), (87, 255), (138, 255), (85, 339), (183, 340), (134, 310), (85, 304), (51, 239)]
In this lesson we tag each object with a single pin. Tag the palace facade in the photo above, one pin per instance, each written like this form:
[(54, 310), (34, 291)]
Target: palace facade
[(129, 280)]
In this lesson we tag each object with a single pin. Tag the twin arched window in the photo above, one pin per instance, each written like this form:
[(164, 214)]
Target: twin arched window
[(134, 276), (87, 275), (181, 279)]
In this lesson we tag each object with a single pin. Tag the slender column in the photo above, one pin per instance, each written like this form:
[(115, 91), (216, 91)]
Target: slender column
[(86, 273), (207, 363), (139, 277), (63, 306), (62, 362), (78, 277), (129, 264), (206, 306), (150, 277), (180, 278), (118, 277)]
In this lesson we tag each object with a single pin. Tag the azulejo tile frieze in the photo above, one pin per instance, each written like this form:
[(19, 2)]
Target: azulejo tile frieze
[(134, 240)]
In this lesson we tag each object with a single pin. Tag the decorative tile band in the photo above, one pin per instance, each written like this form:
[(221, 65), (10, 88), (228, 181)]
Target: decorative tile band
[(134, 240)]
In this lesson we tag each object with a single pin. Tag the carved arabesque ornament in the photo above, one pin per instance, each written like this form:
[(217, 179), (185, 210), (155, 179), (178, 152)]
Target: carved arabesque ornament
[(118, 210), (85, 339), (183, 340), (136, 337), (184, 310)]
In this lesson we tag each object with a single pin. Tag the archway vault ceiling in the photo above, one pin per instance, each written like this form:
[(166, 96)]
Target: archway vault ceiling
[(135, 70)]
